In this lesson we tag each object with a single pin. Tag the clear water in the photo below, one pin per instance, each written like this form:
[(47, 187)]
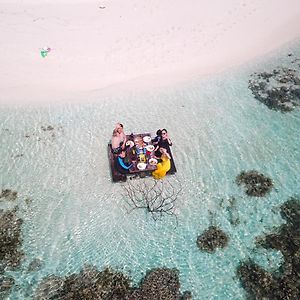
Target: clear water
[(77, 216)]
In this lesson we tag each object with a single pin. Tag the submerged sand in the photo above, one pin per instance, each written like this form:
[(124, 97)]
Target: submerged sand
[(97, 44)]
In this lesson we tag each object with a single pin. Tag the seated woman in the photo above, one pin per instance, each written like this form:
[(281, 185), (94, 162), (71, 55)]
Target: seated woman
[(120, 165), (118, 139), (157, 138), (164, 142), (164, 166)]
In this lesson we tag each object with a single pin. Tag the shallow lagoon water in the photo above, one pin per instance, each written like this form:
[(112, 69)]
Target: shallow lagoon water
[(74, 215)]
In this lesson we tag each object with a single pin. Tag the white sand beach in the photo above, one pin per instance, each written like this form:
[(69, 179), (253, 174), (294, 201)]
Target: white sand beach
[(97, 44)]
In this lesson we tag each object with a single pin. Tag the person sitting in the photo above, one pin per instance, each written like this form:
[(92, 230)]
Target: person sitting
[(157, 138), (121, 166), (118, 139), (164, 142), (164, 166)]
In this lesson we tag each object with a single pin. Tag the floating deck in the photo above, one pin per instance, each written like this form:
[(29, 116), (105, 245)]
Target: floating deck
[(118, 176)]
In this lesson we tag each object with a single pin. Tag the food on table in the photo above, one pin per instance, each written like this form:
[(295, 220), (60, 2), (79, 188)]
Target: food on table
[(153, 161), (141, 166), (150, 148), (147, 139)]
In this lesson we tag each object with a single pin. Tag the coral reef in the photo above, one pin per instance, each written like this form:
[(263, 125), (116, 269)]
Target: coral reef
[(284, 283), (279, 90), (211, 239), (6, 283), (47, 133), (160, 284), (257, 184), (10, 239), (45, 128), (10, 244), (35, 265), (8, 195), (89, 284)]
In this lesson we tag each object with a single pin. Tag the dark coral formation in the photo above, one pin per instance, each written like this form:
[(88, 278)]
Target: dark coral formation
[(160, 284), (211, 239), (89, 284), (290, 211), (10, 239), (10, 244), (35, 265), (279, 90), (47, 128), (285, 283), (47, 133), (257, 184), (7, 194), (232, 210), (6, 283), (255, 279)]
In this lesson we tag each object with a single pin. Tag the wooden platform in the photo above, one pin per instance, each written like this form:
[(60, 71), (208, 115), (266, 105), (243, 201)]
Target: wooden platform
[(118, 176)]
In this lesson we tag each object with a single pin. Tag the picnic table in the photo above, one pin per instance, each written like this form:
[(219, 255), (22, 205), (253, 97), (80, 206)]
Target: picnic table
[(134, 157), (138, 155)]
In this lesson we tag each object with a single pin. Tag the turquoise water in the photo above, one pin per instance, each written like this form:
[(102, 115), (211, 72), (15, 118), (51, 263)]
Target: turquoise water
[(75, 214)]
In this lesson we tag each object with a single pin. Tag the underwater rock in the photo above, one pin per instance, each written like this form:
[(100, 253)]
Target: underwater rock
[(255, 280), (35, 265), (290, 211), (47, 128), (257, 184), (285, 282), (50, 288), (89, 284), (187, 295), (10, 239), (48, 133), (8, 195), (261, 284), (6, 283), (277, 90), (211, 239), (160, 283), (287, 237)]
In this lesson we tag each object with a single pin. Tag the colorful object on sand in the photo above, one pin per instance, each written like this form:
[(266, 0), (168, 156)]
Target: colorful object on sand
[(44, 52)]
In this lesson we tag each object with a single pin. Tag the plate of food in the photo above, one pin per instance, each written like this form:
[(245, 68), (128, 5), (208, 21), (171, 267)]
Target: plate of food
[(130, 143), (138, 139), (153, 161), (149, 148), (141, 166), (147, 139)]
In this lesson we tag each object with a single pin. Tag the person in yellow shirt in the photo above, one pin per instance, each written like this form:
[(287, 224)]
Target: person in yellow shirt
[(164, 166)]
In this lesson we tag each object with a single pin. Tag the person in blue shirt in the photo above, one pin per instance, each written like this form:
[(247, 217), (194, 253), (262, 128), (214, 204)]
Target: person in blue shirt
[(156, 140), (121, 166)]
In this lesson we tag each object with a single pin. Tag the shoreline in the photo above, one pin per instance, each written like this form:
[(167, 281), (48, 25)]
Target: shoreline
[(148, 84), (95, 49)]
